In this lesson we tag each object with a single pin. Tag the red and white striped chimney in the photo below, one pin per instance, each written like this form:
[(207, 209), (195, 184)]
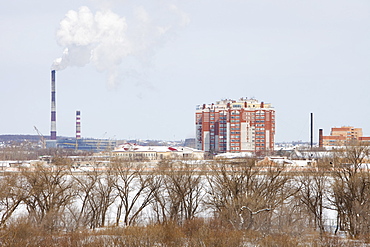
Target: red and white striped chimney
[(53, 129), (78, 125)]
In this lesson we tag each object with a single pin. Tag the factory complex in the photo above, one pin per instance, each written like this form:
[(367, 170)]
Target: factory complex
[(226, 126)]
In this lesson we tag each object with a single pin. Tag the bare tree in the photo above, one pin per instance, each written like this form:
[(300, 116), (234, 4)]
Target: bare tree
[(11, 196), (351, 189), (182, 192), (135, 189), (313, 193), (49, 191), (227, 183), (96, 192), (246, 195)]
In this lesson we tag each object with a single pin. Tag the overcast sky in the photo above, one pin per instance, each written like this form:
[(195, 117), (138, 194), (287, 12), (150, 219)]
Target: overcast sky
[(137, 69)]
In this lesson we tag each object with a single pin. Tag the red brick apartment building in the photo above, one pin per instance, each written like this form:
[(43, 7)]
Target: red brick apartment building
[(235, 126)]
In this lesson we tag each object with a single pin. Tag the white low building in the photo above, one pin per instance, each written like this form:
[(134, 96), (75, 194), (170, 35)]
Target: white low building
[(136, 152), (287, 162)]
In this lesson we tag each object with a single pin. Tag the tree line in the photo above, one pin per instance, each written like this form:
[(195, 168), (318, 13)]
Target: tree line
[(242, 197)]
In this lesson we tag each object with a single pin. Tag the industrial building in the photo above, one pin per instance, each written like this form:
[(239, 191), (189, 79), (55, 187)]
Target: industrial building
[(77, 143), (89, 145), (342, 135), (244, 125), (85, 144)]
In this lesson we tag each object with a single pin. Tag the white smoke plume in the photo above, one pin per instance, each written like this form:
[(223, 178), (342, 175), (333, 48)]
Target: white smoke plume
[(106, 39)]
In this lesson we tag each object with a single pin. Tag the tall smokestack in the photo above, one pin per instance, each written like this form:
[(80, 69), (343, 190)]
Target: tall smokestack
[(321, 138), (311, 141), (78, 125), (53, 129)]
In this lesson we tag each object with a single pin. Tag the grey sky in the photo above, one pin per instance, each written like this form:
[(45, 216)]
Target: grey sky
[(301, 56)]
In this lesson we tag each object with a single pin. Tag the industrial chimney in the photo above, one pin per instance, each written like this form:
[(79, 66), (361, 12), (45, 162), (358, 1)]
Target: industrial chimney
[(311, 142), (53, 129), (321, 138), (78, 125)]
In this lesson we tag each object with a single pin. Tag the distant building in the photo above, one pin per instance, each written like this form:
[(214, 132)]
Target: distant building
[(235, 126), (364, 138), (90, 145), (189, 142), (341, 136), (131, 151)]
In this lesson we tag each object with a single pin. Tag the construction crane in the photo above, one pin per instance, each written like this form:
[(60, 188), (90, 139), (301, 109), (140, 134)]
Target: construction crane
[(42, 139)]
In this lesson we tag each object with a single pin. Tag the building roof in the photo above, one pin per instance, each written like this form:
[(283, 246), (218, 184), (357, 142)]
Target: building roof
[(131, 147), (234, 155)]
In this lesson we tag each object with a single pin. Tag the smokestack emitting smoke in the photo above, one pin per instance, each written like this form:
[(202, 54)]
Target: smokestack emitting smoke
[(105, 39), (53, 129), (78, 125)]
